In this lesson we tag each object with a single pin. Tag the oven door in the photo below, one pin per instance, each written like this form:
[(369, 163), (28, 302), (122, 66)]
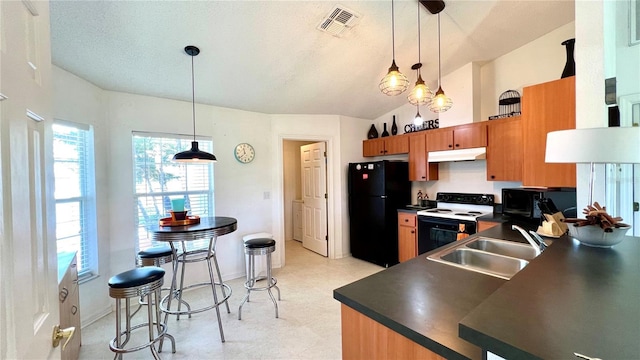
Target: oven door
[(434, 232)]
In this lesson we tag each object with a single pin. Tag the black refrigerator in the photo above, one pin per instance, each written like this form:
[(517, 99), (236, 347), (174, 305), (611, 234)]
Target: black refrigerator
[(376, 191)]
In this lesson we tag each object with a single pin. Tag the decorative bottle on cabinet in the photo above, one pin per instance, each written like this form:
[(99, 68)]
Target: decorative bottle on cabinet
[(373, 133), (570, 66), (385, 133), (394, 127)]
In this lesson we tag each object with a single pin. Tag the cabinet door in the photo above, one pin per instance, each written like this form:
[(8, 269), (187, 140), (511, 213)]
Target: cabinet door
[(407, 239), (547, 107), (396, 144), (373, 147), (419, 168), (470, 136), (438, 140), (504, 150)]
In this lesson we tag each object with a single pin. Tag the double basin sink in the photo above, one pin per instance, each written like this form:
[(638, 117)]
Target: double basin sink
[(495, 257)]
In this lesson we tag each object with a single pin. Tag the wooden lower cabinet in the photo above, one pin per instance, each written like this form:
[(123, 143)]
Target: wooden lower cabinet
[(365, 338), (407, 236)]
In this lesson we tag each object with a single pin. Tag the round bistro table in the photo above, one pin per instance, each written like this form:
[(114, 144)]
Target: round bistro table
[(177, 237)]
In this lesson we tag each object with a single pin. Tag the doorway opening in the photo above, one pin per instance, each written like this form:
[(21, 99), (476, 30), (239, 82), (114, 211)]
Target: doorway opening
[(304, 191)]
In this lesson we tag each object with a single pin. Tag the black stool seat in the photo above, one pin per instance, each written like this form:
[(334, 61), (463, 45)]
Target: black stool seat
[(136, 277), (259, 243), (155, 252)]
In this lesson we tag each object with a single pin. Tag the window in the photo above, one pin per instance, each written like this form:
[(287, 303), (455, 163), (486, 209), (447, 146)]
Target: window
[(75, 193), (158, 180)]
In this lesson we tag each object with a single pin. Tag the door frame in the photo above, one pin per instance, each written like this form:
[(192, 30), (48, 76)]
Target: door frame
[(333, 219)]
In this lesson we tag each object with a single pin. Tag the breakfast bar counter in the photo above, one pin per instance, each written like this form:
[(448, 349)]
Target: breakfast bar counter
[(569, 299)]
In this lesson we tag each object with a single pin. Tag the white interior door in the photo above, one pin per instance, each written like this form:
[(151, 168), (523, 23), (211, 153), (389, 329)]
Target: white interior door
[(314, 197), (28, 261)]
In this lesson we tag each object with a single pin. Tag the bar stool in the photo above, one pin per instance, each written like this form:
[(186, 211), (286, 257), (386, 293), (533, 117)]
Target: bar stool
[(253, 248), (260, 263), (145, 281), (156, 256)]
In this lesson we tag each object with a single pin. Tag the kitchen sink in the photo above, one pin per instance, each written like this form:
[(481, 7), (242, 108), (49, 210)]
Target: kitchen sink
[(503, 247), (494, 257)]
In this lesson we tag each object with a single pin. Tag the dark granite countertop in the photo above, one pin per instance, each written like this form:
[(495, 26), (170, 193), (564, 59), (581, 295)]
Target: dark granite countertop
[(547, 310), (572, 298)]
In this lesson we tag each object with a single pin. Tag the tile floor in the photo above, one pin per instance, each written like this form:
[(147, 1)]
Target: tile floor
[(308, 327)]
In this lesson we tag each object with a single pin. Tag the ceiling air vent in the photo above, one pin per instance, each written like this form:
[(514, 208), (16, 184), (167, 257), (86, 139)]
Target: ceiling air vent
[(338, 20)]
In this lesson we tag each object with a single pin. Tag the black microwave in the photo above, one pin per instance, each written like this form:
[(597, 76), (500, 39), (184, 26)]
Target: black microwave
[(523, 202)]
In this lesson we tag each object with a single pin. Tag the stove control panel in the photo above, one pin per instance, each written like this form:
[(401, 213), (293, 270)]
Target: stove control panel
[(462, 198)]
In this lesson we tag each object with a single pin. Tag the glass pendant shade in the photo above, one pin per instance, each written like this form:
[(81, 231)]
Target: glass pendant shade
[(193, 155), (417, 121), (395, 82), (421, 94), (440, 102)]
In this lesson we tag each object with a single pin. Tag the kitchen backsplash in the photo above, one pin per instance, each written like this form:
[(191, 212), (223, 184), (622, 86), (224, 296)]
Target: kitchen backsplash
[(462, 177)]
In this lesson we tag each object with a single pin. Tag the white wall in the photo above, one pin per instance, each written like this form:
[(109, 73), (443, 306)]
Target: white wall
[(239, 188), (537, 62), (76, 100), (313, 128)]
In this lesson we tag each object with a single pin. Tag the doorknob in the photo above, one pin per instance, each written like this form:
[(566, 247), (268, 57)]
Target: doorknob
[(59, 334)]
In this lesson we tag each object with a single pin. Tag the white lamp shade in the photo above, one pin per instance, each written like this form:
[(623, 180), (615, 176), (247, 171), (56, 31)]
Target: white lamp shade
[(611, 145)]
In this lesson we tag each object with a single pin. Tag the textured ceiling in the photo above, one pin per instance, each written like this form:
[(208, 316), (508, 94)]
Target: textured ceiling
[(268, 56)]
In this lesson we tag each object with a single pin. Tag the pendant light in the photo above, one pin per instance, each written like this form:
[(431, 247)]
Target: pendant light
[(395, 82), (440, 102), (421, 94), (194, 155), (417, 121)]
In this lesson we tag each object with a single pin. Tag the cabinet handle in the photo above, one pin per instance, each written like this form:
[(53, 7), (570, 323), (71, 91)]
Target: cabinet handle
[(74, 310), (413, 231), (450, 145), (424, 177), (406, 220), (493, 176), (457, 145)]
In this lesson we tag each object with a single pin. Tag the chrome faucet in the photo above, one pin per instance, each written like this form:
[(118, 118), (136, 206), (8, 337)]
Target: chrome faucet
[(538, 244)]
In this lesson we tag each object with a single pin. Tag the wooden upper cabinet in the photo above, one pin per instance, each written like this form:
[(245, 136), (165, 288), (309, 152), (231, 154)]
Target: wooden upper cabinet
[(419, 168), (457, 137), (373, 147), (504, 149), (398, 144), (388, 145), (441, 139), (547, 107)]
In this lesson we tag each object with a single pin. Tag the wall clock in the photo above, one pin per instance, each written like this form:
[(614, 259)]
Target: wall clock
[(244, 153)]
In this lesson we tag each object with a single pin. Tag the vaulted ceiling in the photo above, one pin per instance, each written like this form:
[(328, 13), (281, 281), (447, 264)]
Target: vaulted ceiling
[(269, 56)]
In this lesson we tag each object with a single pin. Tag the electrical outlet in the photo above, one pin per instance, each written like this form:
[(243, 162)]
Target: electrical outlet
[(266, 195)]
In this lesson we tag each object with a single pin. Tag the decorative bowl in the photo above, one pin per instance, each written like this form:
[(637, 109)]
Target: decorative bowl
[(594, 235)]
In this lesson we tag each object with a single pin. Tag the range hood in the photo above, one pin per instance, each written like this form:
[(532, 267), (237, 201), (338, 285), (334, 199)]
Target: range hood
[(458, 155)]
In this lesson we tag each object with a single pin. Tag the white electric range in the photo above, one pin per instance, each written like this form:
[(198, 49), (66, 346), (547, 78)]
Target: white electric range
[(454, 214)]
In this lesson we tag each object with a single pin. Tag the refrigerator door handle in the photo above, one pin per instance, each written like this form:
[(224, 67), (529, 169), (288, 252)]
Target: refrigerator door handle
[(384, 196)]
